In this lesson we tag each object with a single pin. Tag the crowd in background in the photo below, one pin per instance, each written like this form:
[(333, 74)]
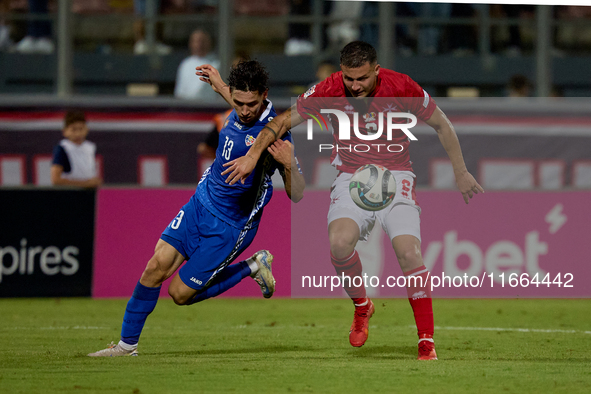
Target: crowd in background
[(411, 38)]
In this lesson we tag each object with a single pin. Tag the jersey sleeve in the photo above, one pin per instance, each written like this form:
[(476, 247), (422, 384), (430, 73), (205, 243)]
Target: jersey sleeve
[(313, 99), (420, 104), (61, 158)]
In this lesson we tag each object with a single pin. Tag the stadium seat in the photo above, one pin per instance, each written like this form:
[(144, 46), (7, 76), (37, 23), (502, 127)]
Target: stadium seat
[(42, 170), (13, 170), (551, 174), (152, 170), (502, 174), (441, 174), (582, 174)]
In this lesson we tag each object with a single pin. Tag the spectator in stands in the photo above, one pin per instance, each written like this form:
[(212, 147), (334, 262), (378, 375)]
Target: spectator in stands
[(345, 28), (518, 86), (300, 39), (575, 36), (430, 34), (38, 38), (515, 45), (300, 36), (74, 162), (405, 41), (141, 47), (188, 86), (462, 38)]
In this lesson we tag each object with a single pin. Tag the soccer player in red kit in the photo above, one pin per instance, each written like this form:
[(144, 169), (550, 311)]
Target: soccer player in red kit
[(361, 77)]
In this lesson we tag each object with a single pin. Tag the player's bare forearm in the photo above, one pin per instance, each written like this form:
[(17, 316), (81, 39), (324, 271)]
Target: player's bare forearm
[(283, 152), (292, 177), (266, 137), (211, 75), (294, 182), (272, 132), (239, 169), (449, 140), (224, 91)]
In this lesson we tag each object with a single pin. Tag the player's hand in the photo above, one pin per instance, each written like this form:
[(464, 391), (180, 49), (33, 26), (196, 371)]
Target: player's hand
[(209, 74), (468, 185), (239, 169), (282, 152)]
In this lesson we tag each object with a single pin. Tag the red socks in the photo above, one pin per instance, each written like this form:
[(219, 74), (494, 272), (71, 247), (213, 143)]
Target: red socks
[(351, 267), (418, 288)]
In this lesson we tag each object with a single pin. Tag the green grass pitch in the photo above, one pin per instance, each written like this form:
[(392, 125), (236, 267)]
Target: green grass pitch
[(296, 345)]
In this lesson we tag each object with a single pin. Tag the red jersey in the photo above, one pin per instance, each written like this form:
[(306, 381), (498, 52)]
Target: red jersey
[(394, 92)]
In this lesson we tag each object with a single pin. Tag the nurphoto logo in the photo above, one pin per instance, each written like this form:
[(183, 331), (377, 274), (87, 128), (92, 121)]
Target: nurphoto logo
[(374, 124)]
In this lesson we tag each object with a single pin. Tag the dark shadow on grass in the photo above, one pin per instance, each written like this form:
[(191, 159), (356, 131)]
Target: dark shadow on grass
[(385, 352), (249, 350)]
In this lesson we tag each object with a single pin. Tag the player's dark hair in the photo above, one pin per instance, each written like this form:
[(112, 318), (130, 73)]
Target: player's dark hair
[(249, 76), (73, 117), (355, 54)]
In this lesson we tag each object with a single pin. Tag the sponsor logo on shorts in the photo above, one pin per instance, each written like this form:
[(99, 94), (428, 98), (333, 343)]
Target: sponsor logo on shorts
[(193, 279)]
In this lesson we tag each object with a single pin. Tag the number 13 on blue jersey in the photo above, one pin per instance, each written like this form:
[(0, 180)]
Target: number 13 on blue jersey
[(227, 151)]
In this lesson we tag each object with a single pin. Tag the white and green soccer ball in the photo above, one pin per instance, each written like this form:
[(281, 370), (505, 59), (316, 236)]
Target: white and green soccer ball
[(372, 187)]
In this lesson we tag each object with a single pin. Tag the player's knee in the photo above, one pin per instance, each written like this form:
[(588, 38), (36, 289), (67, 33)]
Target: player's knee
[(178, 297), (342, 245), (153, 273), (409, 259)]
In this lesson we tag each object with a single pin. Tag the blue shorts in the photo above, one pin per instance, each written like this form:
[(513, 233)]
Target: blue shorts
[(207, 243)]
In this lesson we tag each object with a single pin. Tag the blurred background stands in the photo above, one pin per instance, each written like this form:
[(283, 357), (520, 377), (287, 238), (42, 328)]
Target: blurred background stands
[(442, 46)]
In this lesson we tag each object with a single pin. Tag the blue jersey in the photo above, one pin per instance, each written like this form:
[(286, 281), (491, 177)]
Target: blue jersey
[(239, 204)]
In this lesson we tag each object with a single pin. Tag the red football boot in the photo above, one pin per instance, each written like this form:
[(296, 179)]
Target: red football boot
[(360, 327), (426, 348)]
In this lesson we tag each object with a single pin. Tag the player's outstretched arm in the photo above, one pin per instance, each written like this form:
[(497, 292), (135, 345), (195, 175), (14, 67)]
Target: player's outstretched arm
[(209, 74), (283, 152), (239, 169), (447, 135)]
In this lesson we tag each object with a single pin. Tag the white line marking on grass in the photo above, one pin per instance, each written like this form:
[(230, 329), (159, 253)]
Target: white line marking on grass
[(510, 329)]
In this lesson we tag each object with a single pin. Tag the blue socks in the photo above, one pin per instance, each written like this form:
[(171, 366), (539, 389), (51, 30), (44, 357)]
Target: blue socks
[(223, 281), (140, 305), (144, 299)]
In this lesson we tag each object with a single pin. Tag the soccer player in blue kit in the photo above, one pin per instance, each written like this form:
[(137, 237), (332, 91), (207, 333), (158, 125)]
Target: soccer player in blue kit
[(220, 220)]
